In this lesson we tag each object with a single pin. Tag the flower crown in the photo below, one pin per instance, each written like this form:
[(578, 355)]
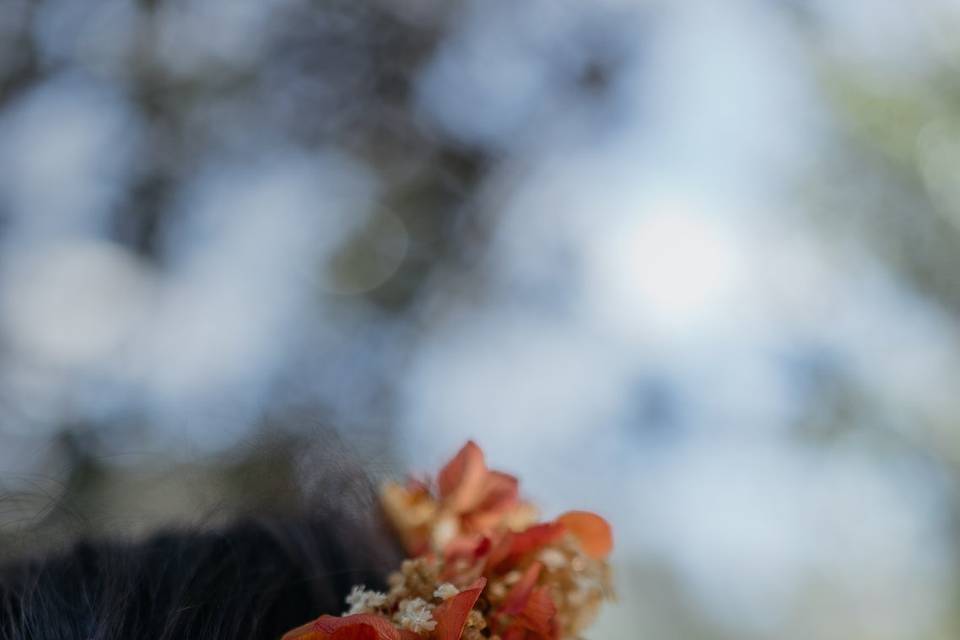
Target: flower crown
[(481, 566)]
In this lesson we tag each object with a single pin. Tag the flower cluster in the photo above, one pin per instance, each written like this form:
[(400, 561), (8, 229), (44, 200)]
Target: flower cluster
[(482, 567)]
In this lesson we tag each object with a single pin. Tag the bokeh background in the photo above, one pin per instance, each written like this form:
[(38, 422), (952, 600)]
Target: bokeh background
[(694, 265)]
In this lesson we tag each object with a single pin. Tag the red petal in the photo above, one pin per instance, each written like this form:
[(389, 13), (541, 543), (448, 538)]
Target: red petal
[(538, 615), (535, 538), (517, 598), (451, 614), (500, 550), (483, 548), (358, 631), (341, 628), (500, 490), (466, 547), (305, 632), (461, 481), (498, 496), (593, 532), (513, 546)]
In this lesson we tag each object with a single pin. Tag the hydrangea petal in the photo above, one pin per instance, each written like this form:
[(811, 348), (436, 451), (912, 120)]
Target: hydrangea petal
[(359, 631), (539, 614), (513, 546), (501, 490), (518, 596), (356, 627), (535, 538), (461, 481), (305, 632), (452, 613), (593, 532)]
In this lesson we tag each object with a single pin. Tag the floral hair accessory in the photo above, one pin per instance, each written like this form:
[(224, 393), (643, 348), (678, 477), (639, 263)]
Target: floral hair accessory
[(481, 566)]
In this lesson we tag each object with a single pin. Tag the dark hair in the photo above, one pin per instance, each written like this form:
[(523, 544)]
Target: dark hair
[(254, 579)]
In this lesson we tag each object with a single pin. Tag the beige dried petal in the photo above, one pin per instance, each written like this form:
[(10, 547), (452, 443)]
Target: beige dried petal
[(445, 591)]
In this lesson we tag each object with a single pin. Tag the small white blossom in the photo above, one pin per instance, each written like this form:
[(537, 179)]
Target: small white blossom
[(445, 591), (363, 601), (415, 615)]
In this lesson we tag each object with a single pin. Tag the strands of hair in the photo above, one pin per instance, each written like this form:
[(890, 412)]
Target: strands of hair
[(252, 580)]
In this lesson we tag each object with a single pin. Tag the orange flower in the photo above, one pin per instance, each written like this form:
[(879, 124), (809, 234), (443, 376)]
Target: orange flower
[(471, 501), (465, 531), (478, 495)]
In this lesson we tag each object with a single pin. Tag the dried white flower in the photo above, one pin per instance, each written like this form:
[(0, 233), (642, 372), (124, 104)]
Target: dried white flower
[(553, 558), (363, 601), (446, 590), (415, 615)]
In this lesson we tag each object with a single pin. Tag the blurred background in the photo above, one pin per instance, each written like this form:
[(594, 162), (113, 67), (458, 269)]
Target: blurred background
[(693, 265)]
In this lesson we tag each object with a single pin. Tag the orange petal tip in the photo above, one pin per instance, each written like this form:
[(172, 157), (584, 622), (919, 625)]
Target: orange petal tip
[(592, 531)]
